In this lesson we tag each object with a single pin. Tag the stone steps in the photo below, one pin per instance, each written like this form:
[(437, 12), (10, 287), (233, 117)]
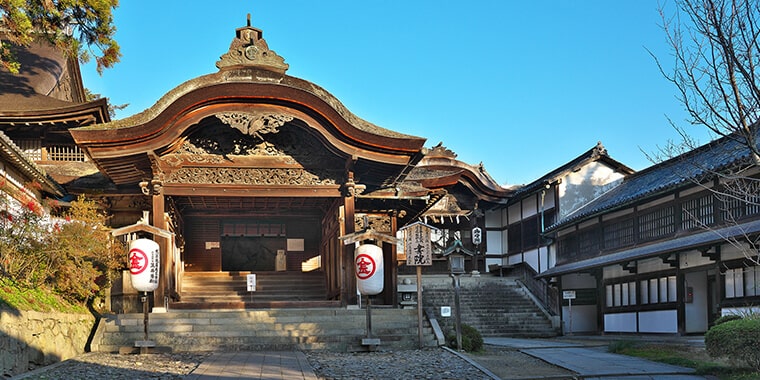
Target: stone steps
[(494, 306), (306, 329)]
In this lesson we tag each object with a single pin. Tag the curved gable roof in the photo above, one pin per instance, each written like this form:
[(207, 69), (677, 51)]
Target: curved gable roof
[(250, 76)]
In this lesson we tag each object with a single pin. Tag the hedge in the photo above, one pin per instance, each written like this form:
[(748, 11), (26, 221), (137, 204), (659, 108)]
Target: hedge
[(736, 339)]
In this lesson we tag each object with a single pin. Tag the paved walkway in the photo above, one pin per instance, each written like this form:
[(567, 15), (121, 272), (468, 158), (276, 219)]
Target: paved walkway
[(594, 362), (589, 360), (271, 365)]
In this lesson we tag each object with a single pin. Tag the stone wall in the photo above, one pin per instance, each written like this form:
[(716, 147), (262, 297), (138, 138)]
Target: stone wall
[(29, 339)]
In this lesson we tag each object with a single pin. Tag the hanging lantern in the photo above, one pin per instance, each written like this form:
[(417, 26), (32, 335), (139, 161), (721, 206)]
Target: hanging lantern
[(144, 264), (368, 263)]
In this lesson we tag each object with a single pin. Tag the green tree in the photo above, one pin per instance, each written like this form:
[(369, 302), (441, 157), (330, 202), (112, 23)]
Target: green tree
[(84, 255), (80, 28), (74, 255)]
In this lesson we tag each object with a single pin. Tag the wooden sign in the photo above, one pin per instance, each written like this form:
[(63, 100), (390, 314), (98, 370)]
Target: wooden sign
[(417, 245)]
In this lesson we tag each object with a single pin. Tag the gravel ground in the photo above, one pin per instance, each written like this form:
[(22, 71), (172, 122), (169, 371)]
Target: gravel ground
[(511, 364), (412, 364), (97, 365)]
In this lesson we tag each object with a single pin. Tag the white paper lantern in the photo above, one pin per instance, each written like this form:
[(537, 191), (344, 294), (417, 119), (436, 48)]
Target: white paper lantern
[(144, 264), (368, 264)]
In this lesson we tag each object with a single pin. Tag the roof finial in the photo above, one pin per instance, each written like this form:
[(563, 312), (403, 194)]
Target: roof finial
[(250, 49)]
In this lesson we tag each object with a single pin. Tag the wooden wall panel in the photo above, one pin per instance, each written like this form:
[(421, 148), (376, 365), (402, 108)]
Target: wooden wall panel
[(198, 231)]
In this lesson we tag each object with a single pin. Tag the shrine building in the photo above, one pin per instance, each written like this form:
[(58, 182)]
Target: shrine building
[(256, 171)]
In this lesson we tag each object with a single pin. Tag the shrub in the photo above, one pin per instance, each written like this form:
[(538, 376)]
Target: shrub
[(738, 339), (472, 341), (726, 318)]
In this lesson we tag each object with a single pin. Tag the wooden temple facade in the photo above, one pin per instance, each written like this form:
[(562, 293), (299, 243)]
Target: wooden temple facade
[(253, 170)]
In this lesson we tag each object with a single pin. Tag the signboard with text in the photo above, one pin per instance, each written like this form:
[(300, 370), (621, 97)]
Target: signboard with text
[(417, 244)]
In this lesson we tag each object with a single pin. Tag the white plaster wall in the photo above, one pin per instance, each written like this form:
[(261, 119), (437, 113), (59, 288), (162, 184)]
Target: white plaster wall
[(652, 265), (549, 199), (729, 252), (531, 258), (490, 261), (580, 187), (693, 259), (659, 321), (494, 244), (552, 256), (529, 206), (514, 213), (746, 310), (614, 271), (495, 219), (696, 311), (514, 259), (584, 319), (620, 322), (543, 255)]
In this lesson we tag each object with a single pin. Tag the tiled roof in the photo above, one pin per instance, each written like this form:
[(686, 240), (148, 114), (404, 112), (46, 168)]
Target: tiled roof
[(12, 154), (668, 246), (691, 166)]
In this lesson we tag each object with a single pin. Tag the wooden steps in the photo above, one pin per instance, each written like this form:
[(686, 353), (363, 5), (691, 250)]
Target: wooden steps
[(228, 290)]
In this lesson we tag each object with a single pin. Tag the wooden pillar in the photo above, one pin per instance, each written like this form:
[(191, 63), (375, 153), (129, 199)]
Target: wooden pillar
[(391, 267), (600, 299), (163, 243), (348, 288), (680, 297)]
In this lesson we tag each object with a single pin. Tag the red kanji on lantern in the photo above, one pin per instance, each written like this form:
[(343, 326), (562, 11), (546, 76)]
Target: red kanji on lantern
[(365, 266), (138, 261)]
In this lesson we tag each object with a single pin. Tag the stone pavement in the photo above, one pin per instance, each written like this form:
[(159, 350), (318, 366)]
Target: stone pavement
[(269, 365), (594, 362)]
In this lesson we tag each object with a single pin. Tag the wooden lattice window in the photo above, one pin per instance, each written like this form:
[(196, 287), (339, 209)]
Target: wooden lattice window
[(619, 234), (656, 224), (588, 241), (697, 212), (567, 249), (735, 209)]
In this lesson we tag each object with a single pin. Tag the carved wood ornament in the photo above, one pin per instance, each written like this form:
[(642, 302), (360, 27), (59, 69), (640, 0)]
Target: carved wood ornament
[(216, 155)]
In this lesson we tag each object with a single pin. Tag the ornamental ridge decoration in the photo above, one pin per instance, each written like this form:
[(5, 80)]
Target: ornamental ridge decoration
[(249, 48), (254, 125)]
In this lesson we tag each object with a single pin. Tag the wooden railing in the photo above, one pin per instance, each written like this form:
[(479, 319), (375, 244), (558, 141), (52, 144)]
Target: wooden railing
[(546, 294), (36, 152)]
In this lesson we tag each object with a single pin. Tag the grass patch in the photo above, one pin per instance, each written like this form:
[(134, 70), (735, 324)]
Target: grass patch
[(677, 355), (34, 299)]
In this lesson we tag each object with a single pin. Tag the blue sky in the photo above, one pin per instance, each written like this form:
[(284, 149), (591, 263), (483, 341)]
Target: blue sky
[(522, 86)]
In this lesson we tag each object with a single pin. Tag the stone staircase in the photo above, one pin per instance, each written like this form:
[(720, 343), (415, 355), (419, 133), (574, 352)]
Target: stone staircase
[(334, 329), (228, 290), (495, 306)]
